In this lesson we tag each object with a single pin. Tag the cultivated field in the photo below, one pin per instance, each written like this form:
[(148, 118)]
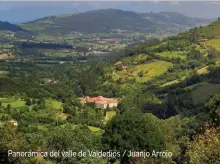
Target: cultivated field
[(171, 55), (143, 72), (215, 43)]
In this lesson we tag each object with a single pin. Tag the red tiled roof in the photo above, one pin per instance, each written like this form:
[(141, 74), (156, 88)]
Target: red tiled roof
[(98, 100), (101, 102)]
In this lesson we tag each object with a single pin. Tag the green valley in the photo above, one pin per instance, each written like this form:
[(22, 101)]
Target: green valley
[(110, 88)]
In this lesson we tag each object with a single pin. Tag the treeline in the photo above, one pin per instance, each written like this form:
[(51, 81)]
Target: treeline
[(44, 45)]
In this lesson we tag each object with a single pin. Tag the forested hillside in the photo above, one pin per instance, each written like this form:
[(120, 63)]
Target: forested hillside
[(9, 27), (168, 92)]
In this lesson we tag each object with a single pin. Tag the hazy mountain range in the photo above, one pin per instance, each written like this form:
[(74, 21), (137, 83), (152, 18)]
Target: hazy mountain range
[(20, 12), (106, 20)]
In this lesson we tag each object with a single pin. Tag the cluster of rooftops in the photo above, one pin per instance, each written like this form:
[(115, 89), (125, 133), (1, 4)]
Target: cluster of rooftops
[(98, 100)]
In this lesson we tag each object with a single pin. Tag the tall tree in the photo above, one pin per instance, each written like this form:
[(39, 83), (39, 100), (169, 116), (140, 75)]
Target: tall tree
[(205, 149), (131, 131), (195, 35), (213, 107)]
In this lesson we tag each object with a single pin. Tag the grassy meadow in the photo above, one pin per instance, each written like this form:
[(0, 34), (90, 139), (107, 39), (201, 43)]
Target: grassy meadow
[(143, 72), (14, 102), (171, 55), (215, 43), (109, 115)]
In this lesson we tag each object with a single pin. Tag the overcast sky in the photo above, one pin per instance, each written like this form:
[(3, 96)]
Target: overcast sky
[(19, 12)]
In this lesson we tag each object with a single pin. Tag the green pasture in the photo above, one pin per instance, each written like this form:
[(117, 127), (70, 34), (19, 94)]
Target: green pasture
[(109, 115)]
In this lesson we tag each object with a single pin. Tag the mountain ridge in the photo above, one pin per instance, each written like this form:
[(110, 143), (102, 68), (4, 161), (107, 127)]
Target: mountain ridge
[(105, 20), (10, 27)]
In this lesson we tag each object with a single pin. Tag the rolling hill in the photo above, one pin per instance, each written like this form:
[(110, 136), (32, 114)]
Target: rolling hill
[(106, 20), (10, 27), (175, 18), (177, 58), (210, 31)]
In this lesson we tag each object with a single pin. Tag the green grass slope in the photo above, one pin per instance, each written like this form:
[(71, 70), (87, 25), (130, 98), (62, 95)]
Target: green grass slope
[(212, 30)]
